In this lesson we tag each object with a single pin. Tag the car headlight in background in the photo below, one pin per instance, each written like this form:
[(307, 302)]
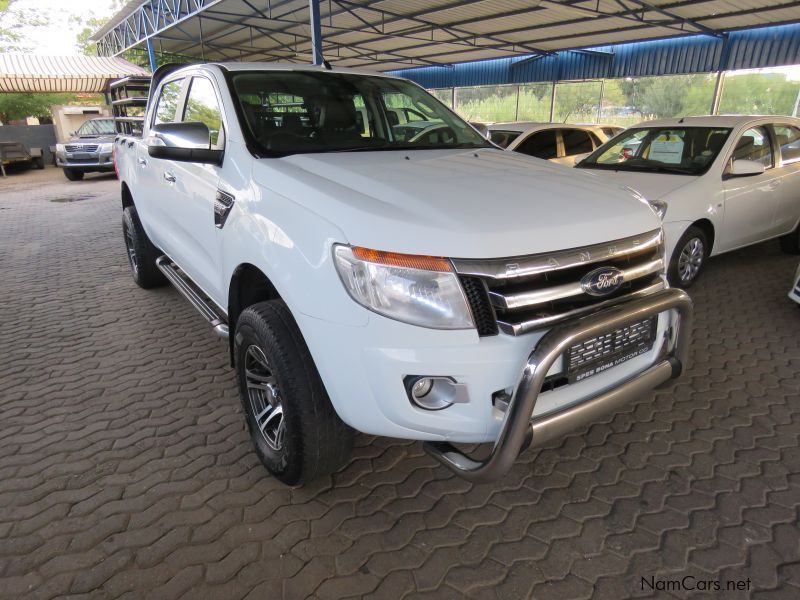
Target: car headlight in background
[(660, 208), (420, 290), (60, 148), (106, 148)]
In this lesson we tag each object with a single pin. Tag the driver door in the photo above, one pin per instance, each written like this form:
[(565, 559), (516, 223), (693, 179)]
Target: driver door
[(750, 202)]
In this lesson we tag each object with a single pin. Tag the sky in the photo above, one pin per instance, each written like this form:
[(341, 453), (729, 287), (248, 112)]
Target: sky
[(58, 35)]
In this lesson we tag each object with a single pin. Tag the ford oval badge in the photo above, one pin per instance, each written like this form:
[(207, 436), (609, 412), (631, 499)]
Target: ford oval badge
[(602, 281)]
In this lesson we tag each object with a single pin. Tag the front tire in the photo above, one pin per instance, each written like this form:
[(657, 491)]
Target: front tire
[(142, 254), (295, 430), (790, 243), (689, 258), (73, 175)]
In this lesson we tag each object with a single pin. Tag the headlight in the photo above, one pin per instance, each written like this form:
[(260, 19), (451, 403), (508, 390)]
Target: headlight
[(59, 147), (660, 208), (421, 290), (106, 148)]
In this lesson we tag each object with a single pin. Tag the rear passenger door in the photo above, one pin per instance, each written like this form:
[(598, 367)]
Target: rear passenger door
[(540, 144)]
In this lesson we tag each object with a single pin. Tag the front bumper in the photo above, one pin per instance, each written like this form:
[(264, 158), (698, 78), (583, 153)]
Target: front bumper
[(518, 429), (94, 162)]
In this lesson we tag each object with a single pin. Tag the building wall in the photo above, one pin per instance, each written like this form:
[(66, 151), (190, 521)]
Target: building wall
[(31, 136)]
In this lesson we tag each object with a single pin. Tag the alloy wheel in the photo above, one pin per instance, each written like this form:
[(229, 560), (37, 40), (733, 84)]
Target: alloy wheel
[(129, 245), (691, 259), (265, 398)]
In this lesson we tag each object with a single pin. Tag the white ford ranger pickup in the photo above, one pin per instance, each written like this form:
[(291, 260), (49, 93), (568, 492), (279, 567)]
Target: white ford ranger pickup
[(406, 281)]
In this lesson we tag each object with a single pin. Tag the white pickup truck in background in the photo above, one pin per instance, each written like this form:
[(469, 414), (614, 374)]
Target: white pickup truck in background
[(431, 287)]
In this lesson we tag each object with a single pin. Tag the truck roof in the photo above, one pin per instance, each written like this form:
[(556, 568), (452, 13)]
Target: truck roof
[(284, 66)]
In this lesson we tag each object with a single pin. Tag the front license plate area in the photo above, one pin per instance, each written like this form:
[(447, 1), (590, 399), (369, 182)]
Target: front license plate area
[(610, 349)]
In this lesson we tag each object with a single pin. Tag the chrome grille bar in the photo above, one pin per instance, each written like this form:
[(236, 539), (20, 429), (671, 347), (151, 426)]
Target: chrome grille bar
[(525, 266), (529, 299)]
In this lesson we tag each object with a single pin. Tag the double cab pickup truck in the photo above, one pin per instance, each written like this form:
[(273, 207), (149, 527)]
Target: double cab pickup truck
[(433, 288)]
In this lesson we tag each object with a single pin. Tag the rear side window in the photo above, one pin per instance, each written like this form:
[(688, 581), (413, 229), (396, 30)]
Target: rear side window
[(167, 106), (576, 141), (540, 145), (789, 140), (202, 106), (503, 138)]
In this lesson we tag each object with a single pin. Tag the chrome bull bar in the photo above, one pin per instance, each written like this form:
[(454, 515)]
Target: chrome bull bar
[(518, 430)]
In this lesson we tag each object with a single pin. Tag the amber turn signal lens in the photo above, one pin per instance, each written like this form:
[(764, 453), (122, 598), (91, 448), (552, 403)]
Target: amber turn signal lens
[(408, 261)]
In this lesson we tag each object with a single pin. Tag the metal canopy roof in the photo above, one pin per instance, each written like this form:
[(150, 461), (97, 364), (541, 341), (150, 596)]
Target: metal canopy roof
[(31, 73), (394, 34)]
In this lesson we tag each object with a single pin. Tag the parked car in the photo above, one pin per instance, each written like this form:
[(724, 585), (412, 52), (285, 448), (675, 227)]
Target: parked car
[(556, 142), (719, 183), (88, 150), (611, 130), (14, 154), (794, 293), (400, 288)]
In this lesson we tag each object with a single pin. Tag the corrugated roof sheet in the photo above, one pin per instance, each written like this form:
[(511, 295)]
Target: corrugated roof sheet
[(392, 34), (763, 47), (32, 73)]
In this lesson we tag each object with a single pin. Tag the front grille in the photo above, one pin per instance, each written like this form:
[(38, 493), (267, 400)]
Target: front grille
[(521, 294), (81, 147)]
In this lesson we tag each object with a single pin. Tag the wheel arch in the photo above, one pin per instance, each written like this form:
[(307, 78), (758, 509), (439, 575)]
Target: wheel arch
[(708, 228), (248, 285), (127, 197)]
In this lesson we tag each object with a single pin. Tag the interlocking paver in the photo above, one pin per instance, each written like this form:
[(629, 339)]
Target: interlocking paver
[(126, 471)]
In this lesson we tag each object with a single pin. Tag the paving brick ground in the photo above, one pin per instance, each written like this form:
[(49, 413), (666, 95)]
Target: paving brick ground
[(125, 469)]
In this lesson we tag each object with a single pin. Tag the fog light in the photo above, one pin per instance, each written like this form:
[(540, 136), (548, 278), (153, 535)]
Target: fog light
[(434, 393)]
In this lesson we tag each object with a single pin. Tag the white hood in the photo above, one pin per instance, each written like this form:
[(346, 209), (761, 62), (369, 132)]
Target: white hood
[(457, 203), (653, 186)]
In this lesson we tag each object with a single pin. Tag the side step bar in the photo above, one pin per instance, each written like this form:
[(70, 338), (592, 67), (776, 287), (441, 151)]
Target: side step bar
[(188, 290)]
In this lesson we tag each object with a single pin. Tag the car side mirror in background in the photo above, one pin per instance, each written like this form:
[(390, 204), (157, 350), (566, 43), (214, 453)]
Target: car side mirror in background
[(745, 168), (579, 157), (184, 142)]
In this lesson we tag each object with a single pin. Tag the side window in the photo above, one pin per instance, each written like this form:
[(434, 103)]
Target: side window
[(167, 106), (576, 141), (754, 145), (540, 145), (788, 138), (202, 106)]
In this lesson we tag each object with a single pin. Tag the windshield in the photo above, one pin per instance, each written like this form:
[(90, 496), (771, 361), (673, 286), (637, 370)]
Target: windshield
[(97, 127), (290, 112), (681, 150), (503, 138)]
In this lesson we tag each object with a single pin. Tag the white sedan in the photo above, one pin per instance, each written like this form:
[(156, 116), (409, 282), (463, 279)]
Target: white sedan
[(556, 142), (794, 293), (719, 183)]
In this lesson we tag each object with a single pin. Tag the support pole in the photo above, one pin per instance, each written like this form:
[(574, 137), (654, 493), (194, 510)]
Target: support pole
[(720, 83), (316, 32), (553, 102), (151, 54)]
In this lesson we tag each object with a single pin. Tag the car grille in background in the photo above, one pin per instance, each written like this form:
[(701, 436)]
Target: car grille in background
[(81, 147), (521, 294)]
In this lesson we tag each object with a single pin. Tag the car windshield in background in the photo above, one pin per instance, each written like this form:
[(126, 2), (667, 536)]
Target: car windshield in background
[(97, 127), (292, 112), (681, 150), (502, 137)]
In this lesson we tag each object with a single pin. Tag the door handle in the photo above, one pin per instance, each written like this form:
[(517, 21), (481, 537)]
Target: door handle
[(169, 176), (143, 162)]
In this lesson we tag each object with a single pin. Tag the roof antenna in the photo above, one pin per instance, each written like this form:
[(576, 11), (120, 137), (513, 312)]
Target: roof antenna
[(326, 64)]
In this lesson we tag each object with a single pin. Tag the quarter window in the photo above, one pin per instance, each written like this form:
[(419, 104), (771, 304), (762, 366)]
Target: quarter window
[(788, 138), (167, 106), (202, 106), (540, 145), (754, 145), (576, 141)]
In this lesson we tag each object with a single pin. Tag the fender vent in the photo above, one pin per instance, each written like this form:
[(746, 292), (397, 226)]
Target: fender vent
[(223, 204)]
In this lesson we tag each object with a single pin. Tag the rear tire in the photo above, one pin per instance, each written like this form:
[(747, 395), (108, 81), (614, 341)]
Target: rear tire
[(295, 430), (73, 175), (689, 258), (142, 254), (38, 163), (790, 243)]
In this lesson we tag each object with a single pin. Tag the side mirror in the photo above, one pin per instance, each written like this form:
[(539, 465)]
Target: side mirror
[(579, 157), (184, 142), (745, 168)]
